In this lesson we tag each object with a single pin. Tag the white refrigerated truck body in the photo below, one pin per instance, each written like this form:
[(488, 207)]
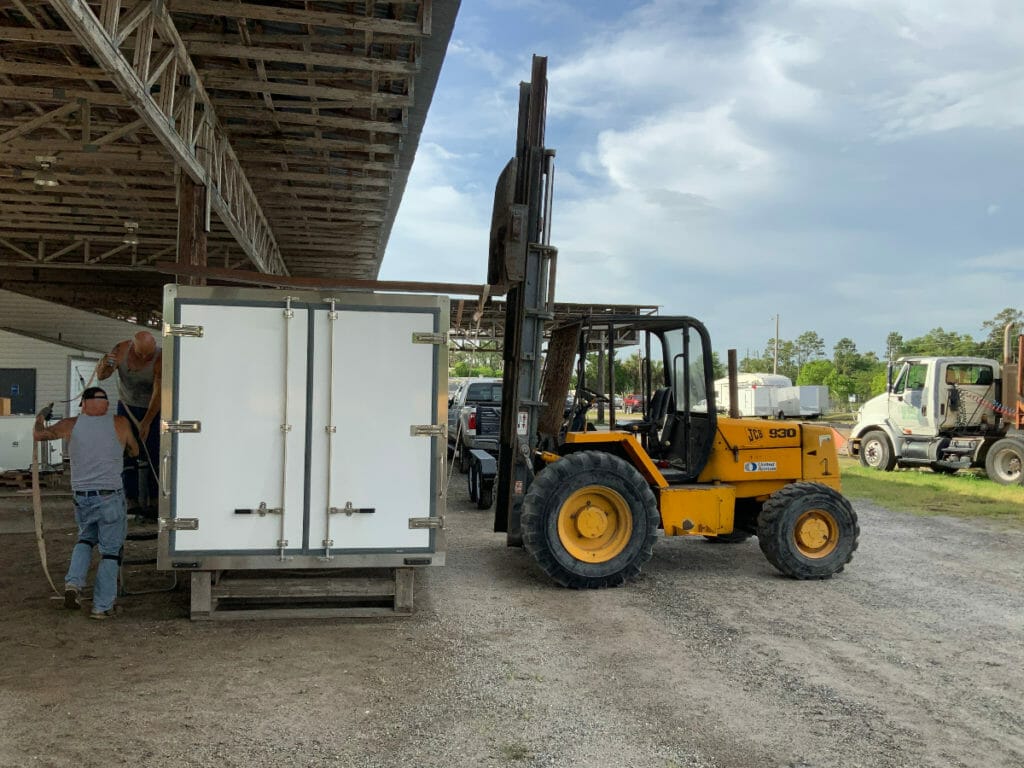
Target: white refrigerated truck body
[(302, 429)]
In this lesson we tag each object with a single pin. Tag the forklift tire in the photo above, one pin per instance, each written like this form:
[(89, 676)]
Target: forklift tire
[(875, 451), (735, 537), (808, 531), (1004, 463), (590, 520)]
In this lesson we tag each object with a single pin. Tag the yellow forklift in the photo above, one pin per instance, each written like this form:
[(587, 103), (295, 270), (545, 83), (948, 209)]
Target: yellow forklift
[(591, 514), (587, 504)]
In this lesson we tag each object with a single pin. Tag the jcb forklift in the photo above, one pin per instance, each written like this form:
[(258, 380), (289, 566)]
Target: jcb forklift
[(587, 504), (591, 515)]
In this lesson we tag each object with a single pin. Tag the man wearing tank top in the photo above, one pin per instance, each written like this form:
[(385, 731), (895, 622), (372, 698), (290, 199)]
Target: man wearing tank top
[(96, 441), (138, 363)]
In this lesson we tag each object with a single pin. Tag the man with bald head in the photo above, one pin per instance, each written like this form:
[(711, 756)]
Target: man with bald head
[(138, 364)]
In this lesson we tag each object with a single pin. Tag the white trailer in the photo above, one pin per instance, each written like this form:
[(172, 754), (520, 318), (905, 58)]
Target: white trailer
[(804, 401), (757, 393), (302, 430)]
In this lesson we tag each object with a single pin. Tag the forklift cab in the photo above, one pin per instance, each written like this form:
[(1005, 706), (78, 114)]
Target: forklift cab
[(672, 356)]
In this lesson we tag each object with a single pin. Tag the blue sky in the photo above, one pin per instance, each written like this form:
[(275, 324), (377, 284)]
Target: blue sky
[(854, 166)]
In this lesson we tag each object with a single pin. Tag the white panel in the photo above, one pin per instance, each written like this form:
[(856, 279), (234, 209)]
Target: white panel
[(232, 380), (80, 374), (382, 385)]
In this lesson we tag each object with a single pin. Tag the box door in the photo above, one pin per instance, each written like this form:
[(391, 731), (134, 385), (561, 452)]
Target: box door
[(371, 383), (242, 475)]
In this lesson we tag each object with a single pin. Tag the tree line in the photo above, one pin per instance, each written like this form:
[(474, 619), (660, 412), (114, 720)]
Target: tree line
[(850, 373), (847, 372)]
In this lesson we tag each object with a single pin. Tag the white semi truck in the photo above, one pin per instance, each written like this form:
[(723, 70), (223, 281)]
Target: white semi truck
[(947, 413)]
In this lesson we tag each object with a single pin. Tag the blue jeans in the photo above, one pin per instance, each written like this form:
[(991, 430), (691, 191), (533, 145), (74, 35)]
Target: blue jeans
[(102, 521), (147, 461)]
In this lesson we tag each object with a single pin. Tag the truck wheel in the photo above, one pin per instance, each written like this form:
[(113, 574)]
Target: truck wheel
[(486, 496), (463, 459), (473, 481), (590, 520), (875, 451), (1004, 463), (808, 531)]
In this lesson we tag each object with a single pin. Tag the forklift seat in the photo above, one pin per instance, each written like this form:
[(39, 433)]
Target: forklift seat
[(655, 421)]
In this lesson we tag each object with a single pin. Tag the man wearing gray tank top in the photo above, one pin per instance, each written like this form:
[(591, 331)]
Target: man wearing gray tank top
[(96, 442), (138, 362)]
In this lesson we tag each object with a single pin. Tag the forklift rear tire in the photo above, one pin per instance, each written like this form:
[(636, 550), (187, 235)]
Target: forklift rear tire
[(875, 451), (808, 531), (590, 520)]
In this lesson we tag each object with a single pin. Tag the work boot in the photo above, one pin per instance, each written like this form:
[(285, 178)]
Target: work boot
[(107, 614), (72, 600)]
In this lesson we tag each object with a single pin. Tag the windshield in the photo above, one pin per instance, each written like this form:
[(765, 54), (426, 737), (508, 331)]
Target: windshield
[(684, 349)]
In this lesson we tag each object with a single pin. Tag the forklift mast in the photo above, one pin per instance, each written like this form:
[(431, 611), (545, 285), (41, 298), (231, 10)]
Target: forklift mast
[(522, 261)]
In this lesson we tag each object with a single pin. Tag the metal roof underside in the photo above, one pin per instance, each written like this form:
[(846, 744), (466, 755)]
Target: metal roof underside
[(301, 119)]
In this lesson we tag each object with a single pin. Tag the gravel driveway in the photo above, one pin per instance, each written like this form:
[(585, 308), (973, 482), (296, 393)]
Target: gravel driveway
[(914, 656)]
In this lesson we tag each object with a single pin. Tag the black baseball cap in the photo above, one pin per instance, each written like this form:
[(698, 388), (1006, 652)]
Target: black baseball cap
[(94, 393)]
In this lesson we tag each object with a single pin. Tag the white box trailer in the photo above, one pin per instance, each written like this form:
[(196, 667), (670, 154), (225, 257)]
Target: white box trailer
[(302, 429), (804, 401)]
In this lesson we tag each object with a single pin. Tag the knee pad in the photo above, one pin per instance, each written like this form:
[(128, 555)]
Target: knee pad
[(87, 543), (113, 557)]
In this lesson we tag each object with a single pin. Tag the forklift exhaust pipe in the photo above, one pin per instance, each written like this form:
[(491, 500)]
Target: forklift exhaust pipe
[(734, 389)]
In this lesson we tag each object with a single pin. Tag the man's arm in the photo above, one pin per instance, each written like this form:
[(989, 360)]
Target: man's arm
[(124, 433), (154, 397), (109, 364), (59, 431)]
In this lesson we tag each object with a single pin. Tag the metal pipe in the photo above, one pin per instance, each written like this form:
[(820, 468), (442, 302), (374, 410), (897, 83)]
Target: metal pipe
[(734, 389), (549, 194)]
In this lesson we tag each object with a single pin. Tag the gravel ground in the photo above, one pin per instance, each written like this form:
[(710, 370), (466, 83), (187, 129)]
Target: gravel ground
[(914, 656)]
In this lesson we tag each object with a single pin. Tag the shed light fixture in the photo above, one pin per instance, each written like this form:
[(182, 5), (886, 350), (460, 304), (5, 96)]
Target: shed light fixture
[(130, 236), (44, 176)]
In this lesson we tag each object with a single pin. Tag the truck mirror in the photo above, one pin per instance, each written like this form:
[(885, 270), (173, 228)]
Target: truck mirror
[(888, 378)]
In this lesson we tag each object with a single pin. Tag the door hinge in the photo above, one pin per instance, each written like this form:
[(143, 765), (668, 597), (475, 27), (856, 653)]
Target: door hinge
[(175, 329), (178, 524), (181, 426), (426, 522), (428, 430), (423, 337)]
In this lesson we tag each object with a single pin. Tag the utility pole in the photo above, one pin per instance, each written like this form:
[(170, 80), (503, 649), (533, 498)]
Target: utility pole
[(775, 368)]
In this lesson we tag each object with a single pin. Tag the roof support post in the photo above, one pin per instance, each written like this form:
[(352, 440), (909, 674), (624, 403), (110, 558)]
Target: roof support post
[(235, 203), (191, 230)]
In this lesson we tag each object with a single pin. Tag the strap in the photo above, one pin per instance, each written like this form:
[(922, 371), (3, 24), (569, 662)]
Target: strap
[(37, 509)]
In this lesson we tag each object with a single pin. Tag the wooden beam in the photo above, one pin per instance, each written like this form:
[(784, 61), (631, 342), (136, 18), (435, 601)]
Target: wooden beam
[(350, 96), (297, 16), (318, 283), (38, 122), (316, 58)]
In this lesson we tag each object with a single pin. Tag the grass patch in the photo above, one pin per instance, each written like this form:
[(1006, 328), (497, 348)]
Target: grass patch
[(922, 492)]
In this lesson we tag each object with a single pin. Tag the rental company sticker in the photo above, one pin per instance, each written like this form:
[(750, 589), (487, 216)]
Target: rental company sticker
[(759, 466)]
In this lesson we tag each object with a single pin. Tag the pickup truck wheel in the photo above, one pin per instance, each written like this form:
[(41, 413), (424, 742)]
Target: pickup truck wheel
[(463, 459), (875, 451), (590, 520), (1004, 463), (808, 531)]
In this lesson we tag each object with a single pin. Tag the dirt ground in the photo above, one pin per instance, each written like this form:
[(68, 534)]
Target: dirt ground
[(914, 656)]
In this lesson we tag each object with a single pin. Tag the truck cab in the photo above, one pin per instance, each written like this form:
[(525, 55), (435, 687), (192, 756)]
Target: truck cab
[(940, 412)]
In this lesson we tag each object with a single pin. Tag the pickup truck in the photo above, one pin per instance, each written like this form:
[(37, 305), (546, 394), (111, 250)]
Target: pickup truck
[(475, 399)]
